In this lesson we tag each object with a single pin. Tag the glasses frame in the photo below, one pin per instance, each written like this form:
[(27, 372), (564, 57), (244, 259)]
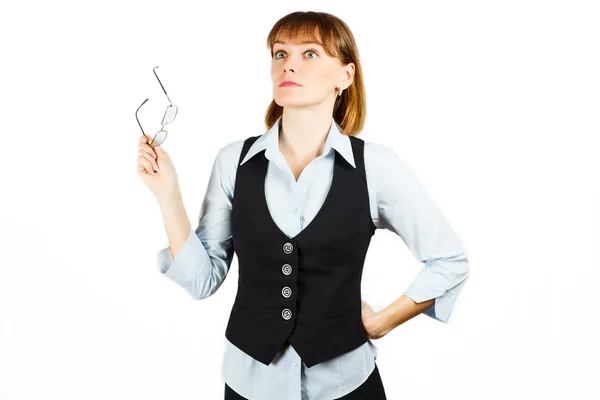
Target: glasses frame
[(163, 123)]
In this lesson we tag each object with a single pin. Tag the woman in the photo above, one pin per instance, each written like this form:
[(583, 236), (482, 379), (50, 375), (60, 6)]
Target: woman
[(309, 195)]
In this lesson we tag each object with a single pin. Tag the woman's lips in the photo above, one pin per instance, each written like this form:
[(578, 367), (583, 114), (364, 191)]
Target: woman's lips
[(288, 83)]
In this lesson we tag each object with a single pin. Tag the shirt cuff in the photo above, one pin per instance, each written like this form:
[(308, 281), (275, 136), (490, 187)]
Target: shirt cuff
[(184, 267), (432, 283)]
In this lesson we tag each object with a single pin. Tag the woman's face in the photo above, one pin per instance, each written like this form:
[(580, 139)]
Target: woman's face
[(307, 64)]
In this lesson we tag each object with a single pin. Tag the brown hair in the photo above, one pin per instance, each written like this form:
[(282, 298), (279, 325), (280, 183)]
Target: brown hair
[(337, 40)]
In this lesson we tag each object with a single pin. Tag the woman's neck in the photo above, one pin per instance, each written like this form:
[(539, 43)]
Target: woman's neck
[(302, 134)]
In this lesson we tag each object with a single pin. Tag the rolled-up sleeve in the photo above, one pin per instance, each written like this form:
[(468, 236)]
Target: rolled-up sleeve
[(202, 264), (405, 208)]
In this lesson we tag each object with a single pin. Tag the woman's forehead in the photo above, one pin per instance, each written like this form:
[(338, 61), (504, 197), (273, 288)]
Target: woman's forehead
[(297, 42), (298, 36)]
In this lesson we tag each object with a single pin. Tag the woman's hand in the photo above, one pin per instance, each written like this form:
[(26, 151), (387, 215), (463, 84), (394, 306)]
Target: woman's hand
[(155, 168), (371, 322)]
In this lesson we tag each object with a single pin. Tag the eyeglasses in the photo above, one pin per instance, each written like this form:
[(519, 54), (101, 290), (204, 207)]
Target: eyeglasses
[(169, 116)]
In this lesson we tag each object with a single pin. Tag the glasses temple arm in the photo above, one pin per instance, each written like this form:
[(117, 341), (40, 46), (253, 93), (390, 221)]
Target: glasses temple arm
[(161, 85), (136, 116)]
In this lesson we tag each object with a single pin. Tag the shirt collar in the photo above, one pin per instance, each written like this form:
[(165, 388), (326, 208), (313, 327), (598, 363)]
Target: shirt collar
[(269, 141)]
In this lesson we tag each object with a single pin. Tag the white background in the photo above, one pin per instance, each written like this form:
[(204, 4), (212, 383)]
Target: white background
[(494, 105)]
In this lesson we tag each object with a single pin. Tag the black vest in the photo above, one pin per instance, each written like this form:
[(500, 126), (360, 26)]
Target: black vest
[(305, 290)]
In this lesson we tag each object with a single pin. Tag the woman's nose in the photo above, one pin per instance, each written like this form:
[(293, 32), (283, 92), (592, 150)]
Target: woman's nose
[(288, 65)]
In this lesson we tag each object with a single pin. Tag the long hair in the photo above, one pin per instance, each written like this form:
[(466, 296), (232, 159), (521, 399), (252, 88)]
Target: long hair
[(333, 34)]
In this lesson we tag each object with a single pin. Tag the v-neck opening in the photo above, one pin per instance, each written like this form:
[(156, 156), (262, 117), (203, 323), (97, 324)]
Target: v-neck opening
[(319, 212)]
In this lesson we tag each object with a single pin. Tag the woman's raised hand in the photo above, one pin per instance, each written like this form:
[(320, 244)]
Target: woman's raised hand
[(155, 168)]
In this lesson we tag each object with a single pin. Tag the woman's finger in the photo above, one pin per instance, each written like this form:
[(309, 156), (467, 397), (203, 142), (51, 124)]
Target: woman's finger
[(146, 164), (144, 141), (150, 158), (146, 147), (148, 150)]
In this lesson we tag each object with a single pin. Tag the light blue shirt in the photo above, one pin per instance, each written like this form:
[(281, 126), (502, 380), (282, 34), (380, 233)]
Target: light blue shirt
[(398, 202)]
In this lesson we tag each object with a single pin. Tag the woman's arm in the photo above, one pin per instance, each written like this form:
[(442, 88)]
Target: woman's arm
[(405, 208), (199, 260), (401, 310), (176, 221)]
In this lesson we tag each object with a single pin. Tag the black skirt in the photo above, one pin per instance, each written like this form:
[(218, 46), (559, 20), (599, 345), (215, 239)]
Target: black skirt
[(371, 389)]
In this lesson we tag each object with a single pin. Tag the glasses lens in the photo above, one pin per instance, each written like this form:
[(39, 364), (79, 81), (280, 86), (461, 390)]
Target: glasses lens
[(170, 114), (159, 138)]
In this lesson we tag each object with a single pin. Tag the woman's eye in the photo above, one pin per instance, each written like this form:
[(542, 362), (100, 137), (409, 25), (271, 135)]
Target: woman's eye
[(281, 52)]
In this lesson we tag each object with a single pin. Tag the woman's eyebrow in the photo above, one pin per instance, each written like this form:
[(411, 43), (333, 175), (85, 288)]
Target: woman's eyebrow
[(304, 42)]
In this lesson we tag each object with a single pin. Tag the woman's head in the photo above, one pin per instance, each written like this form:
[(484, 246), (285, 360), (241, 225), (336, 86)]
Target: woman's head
[(321, 68)]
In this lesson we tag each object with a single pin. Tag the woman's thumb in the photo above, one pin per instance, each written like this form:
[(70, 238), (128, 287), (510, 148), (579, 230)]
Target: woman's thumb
[(158, 150)]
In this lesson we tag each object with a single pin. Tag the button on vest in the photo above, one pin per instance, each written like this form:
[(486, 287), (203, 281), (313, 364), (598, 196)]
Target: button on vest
[(304, 290)]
